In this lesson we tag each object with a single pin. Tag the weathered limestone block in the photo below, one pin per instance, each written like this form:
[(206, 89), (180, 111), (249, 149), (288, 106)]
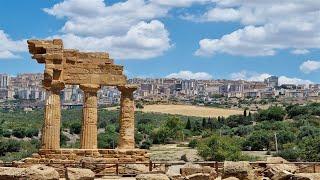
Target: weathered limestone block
[(10, 173), (42, 172), (88, 139), (126, 138), (152, 177), (79, 174), (275, 166), (34, 172), (199, 176), (186, 171), (239, 169)]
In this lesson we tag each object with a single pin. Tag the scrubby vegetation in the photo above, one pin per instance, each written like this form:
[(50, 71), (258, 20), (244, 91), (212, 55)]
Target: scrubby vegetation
[(296, 127)]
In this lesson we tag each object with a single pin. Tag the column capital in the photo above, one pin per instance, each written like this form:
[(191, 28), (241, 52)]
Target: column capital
[(90, 87), (56, 87), (127, 88)]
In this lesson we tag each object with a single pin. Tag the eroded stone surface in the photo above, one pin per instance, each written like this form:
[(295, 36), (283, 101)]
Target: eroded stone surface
[(68, 66), (89, 131), (126, 121), (79, 174), (152, 177)]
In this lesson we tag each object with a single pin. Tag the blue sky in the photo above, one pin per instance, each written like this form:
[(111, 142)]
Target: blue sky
[(199, 39)]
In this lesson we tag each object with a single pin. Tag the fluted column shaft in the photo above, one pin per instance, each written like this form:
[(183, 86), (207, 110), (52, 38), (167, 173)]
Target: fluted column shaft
[(50, 138), (126, 121), (88, 138)]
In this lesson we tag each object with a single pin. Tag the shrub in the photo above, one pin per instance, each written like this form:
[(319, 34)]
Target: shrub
[(220, 148), (273, 113), (9, 145), (258, 140), (146, 144), (75, 128), (193, 143), (297, 110), (31, 132), (19, 132), (6, 133)]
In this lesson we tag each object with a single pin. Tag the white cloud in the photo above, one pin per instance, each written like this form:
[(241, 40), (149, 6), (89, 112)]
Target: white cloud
[(91, 20), (144, 40), (268, 26), (178, 3), (253, 76), (287, 80), (190, 75), (9, 48), (310, 66), (127, 30), (300, 51), (216, 14), (249, 76)]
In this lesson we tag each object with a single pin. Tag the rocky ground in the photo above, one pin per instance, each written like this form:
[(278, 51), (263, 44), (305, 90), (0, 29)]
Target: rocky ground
[(172, 152), (274, 168)]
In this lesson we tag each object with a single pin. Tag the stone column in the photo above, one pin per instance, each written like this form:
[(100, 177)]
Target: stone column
[(50, 138), (88, 138), (126, 121)]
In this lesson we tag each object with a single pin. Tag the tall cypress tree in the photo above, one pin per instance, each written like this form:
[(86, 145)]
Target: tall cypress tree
[(204, 123), (188, 125), (245, 113)]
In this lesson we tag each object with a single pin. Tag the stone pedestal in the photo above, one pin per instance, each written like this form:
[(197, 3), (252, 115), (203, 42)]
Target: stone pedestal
[(126, 121), (88, 138), (51, 128), (100, 161)]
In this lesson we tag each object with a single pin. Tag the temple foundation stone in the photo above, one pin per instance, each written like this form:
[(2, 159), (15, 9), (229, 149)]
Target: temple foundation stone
[(126, 121), (88, 138)]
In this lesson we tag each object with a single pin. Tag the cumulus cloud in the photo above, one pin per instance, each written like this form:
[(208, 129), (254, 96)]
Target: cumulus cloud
[(300, 51), (9, 48), (190, 75), (178, 3), (288, 80), (144, 40), (127, 29), (269, 26), (249, 76), (254, 76), (310, 66)]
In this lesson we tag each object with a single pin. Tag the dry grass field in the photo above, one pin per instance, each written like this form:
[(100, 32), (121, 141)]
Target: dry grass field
[(188, 110)]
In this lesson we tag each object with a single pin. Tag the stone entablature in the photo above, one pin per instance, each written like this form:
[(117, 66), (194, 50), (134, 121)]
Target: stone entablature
[(69, 66), (89, 70)]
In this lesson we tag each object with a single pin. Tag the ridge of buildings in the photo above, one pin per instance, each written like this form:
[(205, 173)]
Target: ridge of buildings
[(28, 86)]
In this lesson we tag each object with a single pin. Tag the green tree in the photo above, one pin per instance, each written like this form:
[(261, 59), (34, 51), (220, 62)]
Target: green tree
[(188, 125), (19, 132), (108, 139), (258, 140), (75, 128), (310, 148), (204, 123), (273, 113), (220, 148), (9, 145)]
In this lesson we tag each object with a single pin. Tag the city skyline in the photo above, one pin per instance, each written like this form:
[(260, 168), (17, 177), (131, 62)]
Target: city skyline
[(197, 39)]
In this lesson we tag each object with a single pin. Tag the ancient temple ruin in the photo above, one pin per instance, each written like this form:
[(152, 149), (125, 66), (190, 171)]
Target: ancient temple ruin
[(89, 70)]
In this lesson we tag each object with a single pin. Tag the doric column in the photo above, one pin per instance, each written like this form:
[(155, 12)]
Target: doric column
[(126, 121), (88, 138), (50, 138)]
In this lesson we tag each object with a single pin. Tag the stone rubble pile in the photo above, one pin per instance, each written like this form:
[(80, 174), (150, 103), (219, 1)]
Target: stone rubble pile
[(272, 169)]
